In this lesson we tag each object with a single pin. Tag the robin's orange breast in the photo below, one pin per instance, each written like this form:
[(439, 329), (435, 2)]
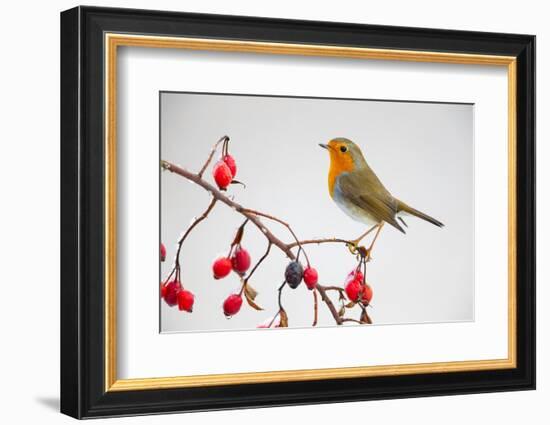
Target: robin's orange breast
[(337, 167)]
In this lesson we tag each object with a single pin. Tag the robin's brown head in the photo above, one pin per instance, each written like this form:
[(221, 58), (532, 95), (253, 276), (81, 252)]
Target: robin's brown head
[(345, 155)]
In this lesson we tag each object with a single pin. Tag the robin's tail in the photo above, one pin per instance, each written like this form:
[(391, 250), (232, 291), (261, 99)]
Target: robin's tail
[(401, 206)]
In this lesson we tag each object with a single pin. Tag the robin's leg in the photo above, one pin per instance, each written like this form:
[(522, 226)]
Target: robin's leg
[(369, 250), (352, 246)]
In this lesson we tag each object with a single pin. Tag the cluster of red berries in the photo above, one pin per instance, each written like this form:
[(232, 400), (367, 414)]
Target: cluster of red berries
[(357, 288), (295, 273), (224, 171), (173, 294), (239, 261)]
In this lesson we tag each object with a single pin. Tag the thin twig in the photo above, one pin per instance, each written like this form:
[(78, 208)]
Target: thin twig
[(258, 263), (349, 319), (192, 226), (329, 303), (280, 294), (273, 320), (169, 276), (284, 223), (315, 307), (319, 241), (334, 288), (211, 155)]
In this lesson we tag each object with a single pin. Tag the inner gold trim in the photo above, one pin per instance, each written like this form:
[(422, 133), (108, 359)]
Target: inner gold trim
[(113, 41)]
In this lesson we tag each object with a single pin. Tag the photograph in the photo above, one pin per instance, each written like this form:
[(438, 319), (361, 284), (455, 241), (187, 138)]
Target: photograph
[(285, 210), (304, 212)]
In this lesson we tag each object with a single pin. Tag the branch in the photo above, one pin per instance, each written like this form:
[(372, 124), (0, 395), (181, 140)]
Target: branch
[(191, 227), (216, 194), (253, 216), (334, 288), (284, 223), (197, 221), (322, 291), (258, 263), (283, 322), (315, 308), (349, 319), (319, 241)]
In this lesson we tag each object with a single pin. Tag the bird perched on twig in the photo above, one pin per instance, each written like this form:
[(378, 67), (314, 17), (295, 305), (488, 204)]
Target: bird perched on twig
[(361, 195)]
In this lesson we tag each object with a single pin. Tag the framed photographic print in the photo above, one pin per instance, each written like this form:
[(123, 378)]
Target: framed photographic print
[(261, 212)]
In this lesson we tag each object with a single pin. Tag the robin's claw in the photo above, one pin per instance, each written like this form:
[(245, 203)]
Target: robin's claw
[(364, 253), (352, 246)]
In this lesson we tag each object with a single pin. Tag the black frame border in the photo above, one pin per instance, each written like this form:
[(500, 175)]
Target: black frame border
[(82, 205)]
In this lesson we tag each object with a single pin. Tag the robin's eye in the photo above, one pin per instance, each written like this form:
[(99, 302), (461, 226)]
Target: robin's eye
[(343, 149)]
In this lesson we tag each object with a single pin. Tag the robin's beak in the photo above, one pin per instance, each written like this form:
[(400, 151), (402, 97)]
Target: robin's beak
[(323, 145)]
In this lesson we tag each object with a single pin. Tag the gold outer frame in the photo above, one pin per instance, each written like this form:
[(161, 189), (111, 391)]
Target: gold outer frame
[(113, 41)]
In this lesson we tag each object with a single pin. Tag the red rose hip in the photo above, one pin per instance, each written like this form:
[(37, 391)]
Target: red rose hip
[(310, 277), (162, 252), (240, 260), (232, 305), (222, 174), (353, 290), (355, 275), (230, 162), (185, 300), (367, 294), (221, 267), (171, 292)]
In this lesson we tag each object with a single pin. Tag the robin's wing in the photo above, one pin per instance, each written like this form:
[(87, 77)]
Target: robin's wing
[(378, 203)]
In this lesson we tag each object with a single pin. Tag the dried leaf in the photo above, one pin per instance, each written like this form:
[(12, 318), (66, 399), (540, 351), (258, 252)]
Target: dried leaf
[(365, 318), (251, 302), (351, 304), (239, 234), (342, 311), (250, 292), (283, 323)]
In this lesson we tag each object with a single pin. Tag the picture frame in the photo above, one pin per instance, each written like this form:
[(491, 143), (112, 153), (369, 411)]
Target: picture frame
[(91, 38)]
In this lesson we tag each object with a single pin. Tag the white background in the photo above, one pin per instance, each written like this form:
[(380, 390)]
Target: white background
[(434, 281), (30, 217)]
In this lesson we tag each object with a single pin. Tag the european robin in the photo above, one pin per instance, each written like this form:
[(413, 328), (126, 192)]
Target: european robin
[(361, 195)]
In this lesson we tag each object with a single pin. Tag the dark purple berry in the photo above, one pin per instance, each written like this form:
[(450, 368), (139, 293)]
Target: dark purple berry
[(293, 274)]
